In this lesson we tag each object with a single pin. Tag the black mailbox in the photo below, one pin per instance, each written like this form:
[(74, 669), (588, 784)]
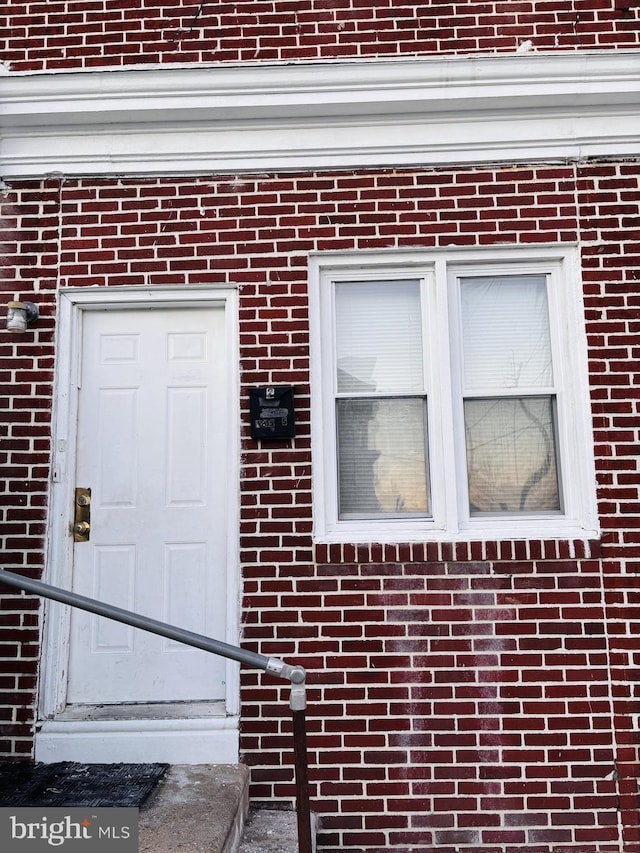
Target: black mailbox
[(271, 410)]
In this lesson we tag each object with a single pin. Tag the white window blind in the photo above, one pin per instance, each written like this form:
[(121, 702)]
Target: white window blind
[(510, 440), (379, 337), (505, 325), (381, 430)]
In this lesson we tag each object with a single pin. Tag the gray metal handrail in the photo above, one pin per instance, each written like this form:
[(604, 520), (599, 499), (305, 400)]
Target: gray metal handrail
[(295, 674)]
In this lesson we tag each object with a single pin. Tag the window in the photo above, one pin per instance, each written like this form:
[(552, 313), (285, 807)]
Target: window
[(379, 375), (509, 396), (449, 397)]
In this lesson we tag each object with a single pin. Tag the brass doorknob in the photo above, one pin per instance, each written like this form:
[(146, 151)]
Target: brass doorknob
[(81, 526)]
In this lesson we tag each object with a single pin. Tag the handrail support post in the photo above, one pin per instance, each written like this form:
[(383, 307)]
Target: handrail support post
[(298, 705)]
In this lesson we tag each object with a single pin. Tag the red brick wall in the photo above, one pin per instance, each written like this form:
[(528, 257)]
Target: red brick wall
[(480, 694), (53, 34), (29, 250)]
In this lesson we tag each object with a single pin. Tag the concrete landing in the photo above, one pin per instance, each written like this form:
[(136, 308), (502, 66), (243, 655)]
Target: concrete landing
[(196, 809)]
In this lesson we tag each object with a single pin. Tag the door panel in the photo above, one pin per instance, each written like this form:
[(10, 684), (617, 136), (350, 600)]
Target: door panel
[(152, 447)]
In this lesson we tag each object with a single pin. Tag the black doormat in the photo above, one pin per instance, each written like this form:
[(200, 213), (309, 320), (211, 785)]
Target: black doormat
[(71, 784)]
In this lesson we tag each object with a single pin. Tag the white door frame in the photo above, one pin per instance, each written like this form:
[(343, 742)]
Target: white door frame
[(183, 739)]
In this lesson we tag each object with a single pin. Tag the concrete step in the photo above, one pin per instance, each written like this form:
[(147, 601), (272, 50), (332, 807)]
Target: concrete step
[(203, 809), (196, 809), (270, 831)]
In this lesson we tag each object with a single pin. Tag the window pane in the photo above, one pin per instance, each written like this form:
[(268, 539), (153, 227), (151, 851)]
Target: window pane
[(511, 455), (505, 329), (382, 463), (379, 337)]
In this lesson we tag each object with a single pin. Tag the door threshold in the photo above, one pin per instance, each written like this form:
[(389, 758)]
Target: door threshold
[(143, 711), (194, 736)]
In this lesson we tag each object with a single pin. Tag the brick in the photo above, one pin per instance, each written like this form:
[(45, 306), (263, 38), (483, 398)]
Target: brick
[(274, 32), (449, 679)]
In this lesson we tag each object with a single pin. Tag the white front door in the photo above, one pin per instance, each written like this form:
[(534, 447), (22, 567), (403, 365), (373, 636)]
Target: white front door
[(152, 446)]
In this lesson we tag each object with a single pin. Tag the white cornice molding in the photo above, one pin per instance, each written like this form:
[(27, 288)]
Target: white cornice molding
[(317, 115)]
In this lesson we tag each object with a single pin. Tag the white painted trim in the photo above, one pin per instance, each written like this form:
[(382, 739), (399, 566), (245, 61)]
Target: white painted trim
[(258, 116), (71, 305), (451, 522), (214, 741)]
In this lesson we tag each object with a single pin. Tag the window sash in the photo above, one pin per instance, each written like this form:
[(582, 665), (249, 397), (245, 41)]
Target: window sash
[(509, 407), (379, 385)]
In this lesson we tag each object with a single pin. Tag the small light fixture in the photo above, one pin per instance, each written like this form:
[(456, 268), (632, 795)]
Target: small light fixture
[(19, 314)]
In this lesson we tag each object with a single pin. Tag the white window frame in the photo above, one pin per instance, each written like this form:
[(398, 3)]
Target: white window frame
[(438, 271)]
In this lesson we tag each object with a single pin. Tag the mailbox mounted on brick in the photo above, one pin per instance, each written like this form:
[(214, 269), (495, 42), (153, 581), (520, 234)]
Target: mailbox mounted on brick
[(271, 410)]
